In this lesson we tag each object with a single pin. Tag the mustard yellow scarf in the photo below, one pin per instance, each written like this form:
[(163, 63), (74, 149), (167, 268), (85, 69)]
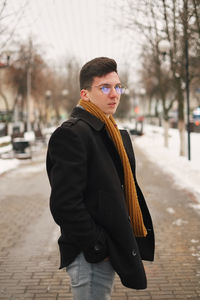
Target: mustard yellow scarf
[(129, 183)]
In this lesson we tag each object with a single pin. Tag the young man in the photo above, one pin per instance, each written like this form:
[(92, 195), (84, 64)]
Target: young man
[(95, 198)]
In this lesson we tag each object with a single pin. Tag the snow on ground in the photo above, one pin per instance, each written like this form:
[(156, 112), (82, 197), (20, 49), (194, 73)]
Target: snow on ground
[(8, 164), (186, 174)]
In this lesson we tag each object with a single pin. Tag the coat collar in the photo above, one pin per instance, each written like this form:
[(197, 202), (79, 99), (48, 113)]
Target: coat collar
[(87, 117)]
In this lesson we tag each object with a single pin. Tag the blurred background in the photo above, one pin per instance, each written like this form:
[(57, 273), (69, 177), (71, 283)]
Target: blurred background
[(43, 45)]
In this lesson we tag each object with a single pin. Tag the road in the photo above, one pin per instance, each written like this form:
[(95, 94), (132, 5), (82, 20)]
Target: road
[(29, 257)]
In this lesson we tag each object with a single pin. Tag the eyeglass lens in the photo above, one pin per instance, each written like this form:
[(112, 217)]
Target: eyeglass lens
[(106, 90)]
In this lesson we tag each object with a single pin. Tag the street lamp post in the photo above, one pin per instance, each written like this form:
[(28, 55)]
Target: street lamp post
[(48, 94), (187, 80), (164, 47), (29, 84), (64, 94), (3, 65), (28, 121)]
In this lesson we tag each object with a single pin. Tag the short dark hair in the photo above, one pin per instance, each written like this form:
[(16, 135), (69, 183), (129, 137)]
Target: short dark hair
[(96, 67)]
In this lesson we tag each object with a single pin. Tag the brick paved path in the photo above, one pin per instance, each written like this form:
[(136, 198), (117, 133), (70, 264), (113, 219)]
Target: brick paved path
[(29, 253)]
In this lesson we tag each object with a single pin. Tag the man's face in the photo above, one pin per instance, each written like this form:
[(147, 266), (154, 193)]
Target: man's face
[(108, 102)]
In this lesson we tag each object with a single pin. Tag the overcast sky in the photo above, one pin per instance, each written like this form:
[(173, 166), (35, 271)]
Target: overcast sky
[(81, 28)]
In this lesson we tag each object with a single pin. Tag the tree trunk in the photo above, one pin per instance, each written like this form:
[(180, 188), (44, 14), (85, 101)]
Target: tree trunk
[(181, 127), (7, 110), (166, 133), (150, 104), (195, 5), (156, 108), (5, 101)]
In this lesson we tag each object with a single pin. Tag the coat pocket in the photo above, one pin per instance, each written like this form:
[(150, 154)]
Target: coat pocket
[(112, 210)]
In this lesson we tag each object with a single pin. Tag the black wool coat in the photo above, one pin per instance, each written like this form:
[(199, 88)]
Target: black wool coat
[(87, 199)]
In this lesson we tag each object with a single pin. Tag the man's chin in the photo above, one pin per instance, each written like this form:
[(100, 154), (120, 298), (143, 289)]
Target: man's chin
[(113, 111), (109, 112)]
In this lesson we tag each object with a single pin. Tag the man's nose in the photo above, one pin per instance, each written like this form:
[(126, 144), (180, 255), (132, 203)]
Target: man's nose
[(113, 92)]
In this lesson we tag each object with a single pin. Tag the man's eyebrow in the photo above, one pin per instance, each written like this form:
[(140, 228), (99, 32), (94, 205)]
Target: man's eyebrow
[(109, 83)]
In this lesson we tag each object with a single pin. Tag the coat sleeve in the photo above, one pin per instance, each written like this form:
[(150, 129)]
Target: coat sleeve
[(67, 171)]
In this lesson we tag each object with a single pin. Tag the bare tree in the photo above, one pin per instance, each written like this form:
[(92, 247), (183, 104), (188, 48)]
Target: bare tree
[(28, 59), (8, 24), (158, 85), (9, 20), (178, 23), (71, 84), (196, 13), (63, 82), (125, 104)]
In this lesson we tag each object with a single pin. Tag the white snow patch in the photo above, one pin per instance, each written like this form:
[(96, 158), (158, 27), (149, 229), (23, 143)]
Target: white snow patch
[(8, 164), (195, 206), (170, 210), (179, 222), (194, 241)]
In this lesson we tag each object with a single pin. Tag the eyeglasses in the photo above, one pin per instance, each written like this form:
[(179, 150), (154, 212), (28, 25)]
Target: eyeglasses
[(106, 88)]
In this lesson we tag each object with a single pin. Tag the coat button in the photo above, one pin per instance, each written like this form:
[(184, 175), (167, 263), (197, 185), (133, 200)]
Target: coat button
[(134, 252), (97, 248), (122, 186)]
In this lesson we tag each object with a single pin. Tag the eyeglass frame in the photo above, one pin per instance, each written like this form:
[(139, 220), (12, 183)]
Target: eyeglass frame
[(109, 87)]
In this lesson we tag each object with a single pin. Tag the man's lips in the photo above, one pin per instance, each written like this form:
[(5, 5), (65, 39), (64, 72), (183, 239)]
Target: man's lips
[(112, 104)]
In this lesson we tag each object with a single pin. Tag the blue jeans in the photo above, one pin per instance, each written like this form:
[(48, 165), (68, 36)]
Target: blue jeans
[(90, 281)]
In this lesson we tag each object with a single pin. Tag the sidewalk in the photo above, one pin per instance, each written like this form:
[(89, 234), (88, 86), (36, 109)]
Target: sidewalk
[(29, 256)]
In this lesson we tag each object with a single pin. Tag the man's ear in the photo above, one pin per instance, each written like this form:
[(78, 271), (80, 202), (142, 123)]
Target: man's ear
[(84, 95)]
